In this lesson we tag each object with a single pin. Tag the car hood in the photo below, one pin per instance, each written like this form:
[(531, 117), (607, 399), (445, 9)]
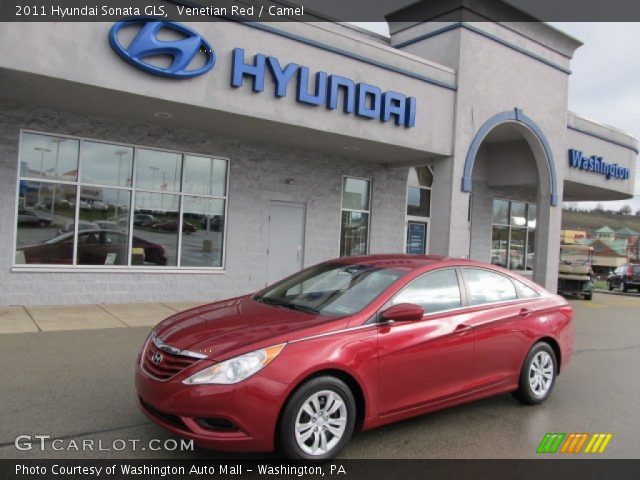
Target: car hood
[(239, 325)]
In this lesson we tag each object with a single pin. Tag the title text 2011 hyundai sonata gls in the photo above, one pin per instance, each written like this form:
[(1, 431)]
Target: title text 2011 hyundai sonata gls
[(349, 344)]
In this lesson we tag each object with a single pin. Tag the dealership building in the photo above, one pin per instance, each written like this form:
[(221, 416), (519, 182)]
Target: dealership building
[(146, 161)]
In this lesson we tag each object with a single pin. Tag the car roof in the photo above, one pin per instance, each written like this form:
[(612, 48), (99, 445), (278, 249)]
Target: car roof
[(397, 261), (413, 262)]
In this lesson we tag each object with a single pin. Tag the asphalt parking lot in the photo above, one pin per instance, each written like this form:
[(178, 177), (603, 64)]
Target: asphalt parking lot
[(79, 385)]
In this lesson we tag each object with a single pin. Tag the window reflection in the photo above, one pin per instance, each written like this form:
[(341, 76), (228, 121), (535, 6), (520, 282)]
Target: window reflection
[(205, 176), (419, 202), (434, 291), (155, 228), (103, 237), (157, 170), (44, 212), (48, 157), (355, 195), (203, 247), (98, 205), (354, 233), (513, 234), (488, 287), (105, 164)]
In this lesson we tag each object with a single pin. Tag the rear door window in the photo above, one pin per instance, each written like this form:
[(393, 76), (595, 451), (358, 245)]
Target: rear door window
[(488, 287)]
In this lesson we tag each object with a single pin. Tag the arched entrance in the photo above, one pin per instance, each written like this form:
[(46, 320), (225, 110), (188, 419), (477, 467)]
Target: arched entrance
[(510, 173)]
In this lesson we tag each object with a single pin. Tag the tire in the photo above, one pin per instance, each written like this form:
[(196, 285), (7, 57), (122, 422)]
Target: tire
[(297, 442), (625, 288), (42, 224), (610, 286), (529, 392), (588, 296)]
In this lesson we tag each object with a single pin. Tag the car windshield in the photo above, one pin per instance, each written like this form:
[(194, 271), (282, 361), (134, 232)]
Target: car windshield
[(331, 289)]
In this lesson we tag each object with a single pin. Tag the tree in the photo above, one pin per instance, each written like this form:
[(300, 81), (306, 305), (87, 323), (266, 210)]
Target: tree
[(599, 208), (625, 210)]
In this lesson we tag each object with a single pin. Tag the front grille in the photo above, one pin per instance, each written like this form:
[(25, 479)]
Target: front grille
[(167, 417), (169, 364)]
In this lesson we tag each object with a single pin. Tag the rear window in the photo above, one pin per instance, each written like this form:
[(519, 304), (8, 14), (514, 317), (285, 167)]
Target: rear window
[(524, 291), (488, 287)]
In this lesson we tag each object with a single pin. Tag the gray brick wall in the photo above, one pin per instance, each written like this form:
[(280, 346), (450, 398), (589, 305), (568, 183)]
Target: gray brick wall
[(257, 175)]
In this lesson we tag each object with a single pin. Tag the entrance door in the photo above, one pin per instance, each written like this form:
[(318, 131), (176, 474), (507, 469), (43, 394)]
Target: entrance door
[(286, 240)]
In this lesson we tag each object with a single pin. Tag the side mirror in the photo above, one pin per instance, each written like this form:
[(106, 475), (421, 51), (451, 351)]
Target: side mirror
[(403, 312)]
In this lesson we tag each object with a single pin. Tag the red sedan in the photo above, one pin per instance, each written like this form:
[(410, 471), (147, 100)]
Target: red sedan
[(351, 344)]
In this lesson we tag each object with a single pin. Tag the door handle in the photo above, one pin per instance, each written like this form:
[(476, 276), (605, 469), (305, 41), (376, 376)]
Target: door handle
[(525, 312), (460, 328)]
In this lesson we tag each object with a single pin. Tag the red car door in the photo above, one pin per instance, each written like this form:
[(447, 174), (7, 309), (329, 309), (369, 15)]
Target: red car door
[(429, 360), (498, 319)]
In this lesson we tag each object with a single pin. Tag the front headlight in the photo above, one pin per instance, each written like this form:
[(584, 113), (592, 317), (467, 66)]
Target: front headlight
[(236, 369)]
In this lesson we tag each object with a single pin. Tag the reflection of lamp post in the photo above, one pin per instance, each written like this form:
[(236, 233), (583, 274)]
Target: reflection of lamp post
[(57, 141), (153, 178), (120, 154), (41, 150)]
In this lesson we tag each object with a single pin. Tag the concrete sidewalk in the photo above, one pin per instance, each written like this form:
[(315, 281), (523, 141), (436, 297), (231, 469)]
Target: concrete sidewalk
[(86, 317)]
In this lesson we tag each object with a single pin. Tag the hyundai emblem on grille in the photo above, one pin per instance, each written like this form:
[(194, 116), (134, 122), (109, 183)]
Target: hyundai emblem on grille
[(156, 358)]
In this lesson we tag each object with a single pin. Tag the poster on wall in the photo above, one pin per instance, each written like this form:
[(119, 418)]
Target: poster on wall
[(416, 238)]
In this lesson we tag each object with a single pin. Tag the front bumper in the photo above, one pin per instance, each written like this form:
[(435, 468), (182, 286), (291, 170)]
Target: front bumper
[(244, 415)]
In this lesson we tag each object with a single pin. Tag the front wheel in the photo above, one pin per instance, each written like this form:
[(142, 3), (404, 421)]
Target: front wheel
[(318, 420), (588, 296), (610, 286), (538, 375)]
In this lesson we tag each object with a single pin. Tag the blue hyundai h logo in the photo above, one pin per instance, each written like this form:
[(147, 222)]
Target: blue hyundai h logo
[(146, 45)]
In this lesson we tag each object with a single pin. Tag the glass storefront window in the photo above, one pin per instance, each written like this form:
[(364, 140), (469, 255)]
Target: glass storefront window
[(90, 220), (513, 235), (354, 233), (158, 170), (419, 202), (355, 194), (48, 157), (518, 214), (104, 164), (500, 245), (46, 213), (203, 246), (420, 177), (501, 212), (354, 228), (419, 186), (156, 228), (205, 176)]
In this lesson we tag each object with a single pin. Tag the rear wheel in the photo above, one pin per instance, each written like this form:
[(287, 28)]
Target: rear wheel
[(610, 286), (625, 288), (588, 296), (538, 375), (318, 420)]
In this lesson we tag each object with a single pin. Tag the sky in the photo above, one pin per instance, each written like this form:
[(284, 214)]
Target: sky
[(605, 82)]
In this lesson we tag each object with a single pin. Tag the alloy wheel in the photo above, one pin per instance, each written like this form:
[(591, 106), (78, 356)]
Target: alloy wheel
[(541, 373), (321, 422)]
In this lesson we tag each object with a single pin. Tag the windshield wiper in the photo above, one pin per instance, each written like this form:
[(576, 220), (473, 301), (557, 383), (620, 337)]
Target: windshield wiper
[(302, 308), (292, 306)]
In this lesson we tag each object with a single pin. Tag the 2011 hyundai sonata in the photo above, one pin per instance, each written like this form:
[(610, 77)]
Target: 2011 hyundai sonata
[(349, 344)]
